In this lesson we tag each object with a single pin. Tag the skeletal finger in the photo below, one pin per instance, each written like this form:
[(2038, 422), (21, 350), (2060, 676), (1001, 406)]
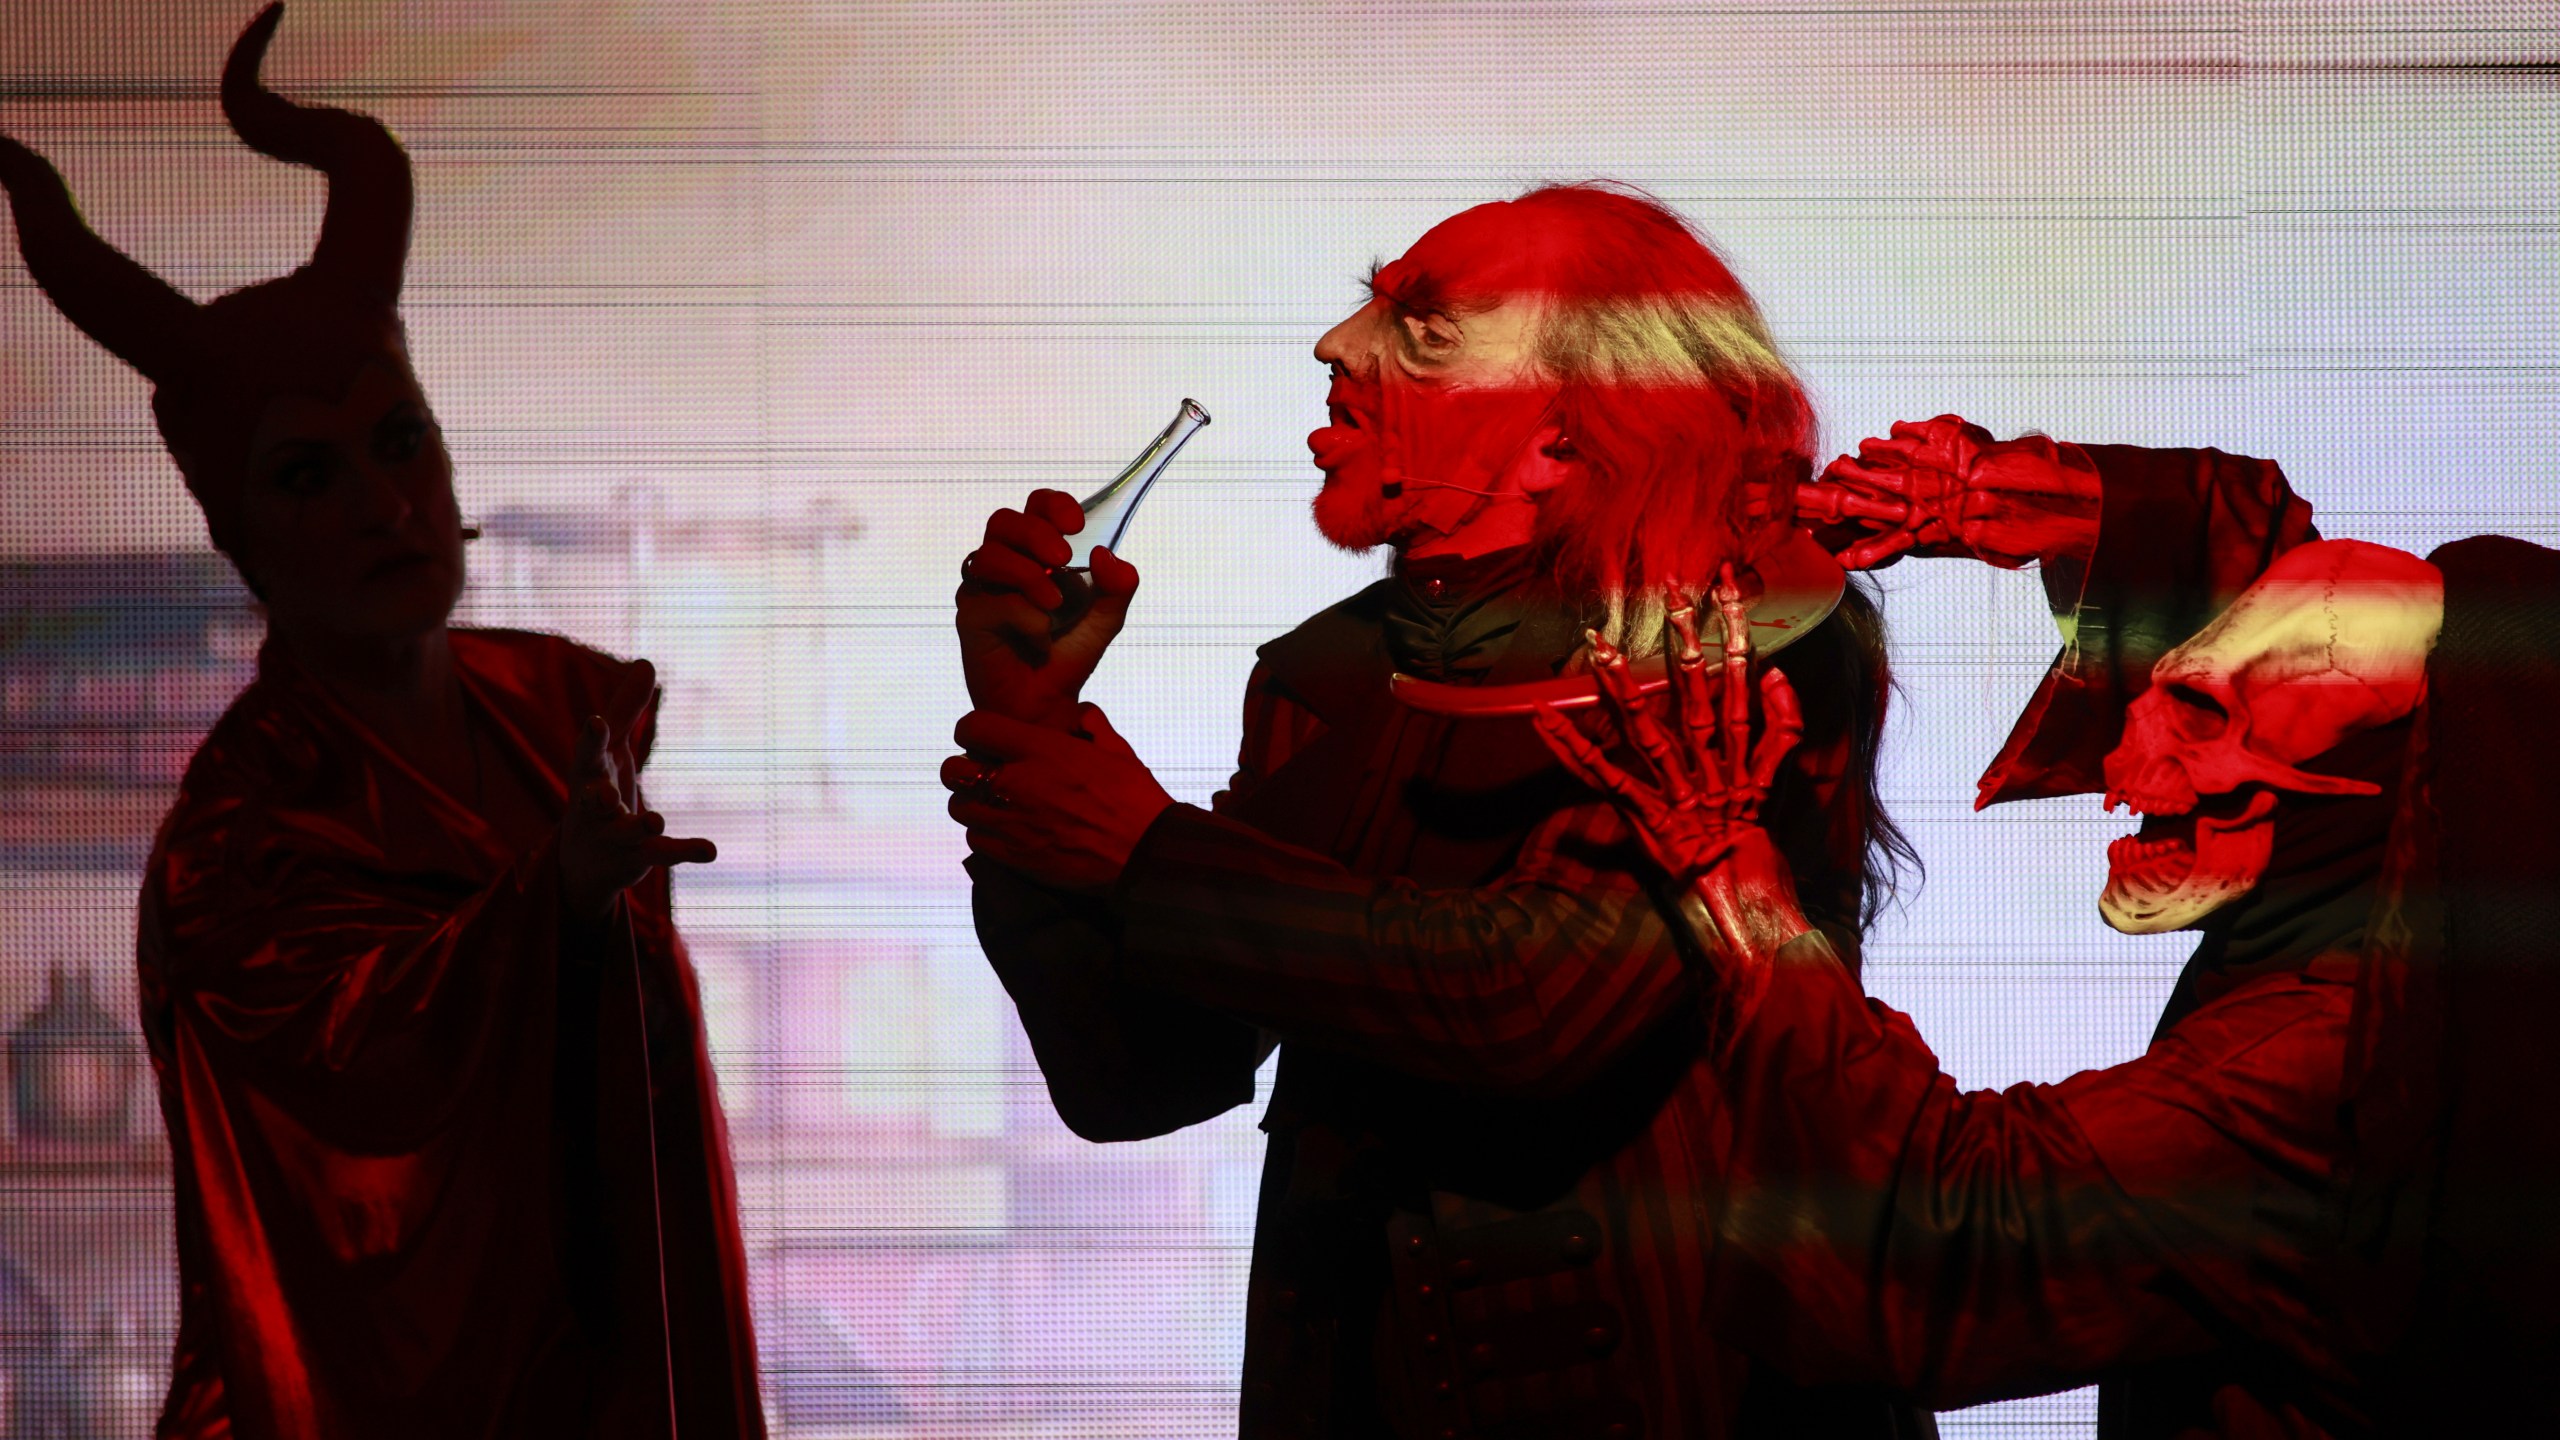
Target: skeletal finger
[(1819, 504), (1781, 726), (1609, 674), (1867, 554), (1696, 699), (1828, 502), (1578, 754), (1638, 722), (1736, 720), (1831, 503), (1574, 750), (1893, 478), (1900, 449)]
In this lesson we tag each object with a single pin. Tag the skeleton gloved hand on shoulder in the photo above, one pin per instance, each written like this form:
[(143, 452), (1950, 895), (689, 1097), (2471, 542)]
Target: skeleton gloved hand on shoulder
[(2331, 641), (1694, 795), (1944, 487)]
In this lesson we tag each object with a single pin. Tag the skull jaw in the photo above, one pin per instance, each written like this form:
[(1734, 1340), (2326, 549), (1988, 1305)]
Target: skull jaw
[(2173, 878)]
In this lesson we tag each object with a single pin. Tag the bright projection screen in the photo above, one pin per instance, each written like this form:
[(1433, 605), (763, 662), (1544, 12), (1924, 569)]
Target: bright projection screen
[(740, 317)]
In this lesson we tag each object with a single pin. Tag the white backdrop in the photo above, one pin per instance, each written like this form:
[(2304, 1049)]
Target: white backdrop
[(741, 316)]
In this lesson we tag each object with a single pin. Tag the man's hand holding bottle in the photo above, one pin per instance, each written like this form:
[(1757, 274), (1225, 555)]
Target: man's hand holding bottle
[(1031, 633)]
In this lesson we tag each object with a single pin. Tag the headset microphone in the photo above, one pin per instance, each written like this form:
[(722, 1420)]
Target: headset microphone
[(1393, 488)]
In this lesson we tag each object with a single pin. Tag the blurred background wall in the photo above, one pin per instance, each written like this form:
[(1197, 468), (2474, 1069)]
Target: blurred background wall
[(740, 316)]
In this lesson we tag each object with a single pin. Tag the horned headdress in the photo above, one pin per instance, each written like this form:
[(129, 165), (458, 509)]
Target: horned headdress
[(212, 366)]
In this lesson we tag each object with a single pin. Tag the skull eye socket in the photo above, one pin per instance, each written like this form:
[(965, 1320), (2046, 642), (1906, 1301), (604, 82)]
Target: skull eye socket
[(2195, 714)]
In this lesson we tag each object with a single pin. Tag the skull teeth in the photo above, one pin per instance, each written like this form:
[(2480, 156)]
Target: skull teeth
[(2145, 802), (2158, 863)]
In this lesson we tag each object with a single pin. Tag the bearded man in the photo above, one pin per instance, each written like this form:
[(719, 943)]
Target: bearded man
[(1494, 1134), (1559, 411), (447, 1154)]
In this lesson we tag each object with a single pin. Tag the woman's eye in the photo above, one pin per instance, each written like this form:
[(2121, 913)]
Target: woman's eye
[(301, 478), (402, 441)]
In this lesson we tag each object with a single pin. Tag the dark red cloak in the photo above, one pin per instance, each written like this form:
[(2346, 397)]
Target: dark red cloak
[(410, 1112)]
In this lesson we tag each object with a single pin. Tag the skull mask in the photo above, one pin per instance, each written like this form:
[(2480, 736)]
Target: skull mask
[(2331, 640)]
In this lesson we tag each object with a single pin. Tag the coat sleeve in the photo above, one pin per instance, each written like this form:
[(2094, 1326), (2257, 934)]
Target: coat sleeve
[(1531, 984), (2180, 534), (1123, 1062), (1882, 1227)]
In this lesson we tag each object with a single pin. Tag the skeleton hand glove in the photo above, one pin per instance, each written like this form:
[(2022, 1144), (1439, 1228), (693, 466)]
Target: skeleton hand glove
[(1945, 487), (1698, 811)]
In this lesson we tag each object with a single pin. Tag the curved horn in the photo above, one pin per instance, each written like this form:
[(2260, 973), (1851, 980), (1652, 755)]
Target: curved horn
[(97, 287), (364, 236)]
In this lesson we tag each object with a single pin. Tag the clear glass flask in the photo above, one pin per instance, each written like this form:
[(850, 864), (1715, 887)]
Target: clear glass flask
[(1107, 510)]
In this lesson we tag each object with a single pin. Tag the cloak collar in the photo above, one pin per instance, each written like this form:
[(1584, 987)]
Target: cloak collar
[(531, 706)]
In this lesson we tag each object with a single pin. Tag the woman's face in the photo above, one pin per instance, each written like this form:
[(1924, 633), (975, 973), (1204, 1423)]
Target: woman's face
[(348, 521)]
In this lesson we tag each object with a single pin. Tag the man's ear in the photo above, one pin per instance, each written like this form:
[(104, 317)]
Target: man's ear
[(1548, 460)]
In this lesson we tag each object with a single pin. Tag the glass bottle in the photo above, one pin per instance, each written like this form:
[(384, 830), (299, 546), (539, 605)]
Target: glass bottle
[(1107, 510)]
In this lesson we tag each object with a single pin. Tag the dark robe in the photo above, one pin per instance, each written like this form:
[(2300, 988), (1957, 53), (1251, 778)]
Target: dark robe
[(410, 1110), (2451, 1257), (1487, 1191)]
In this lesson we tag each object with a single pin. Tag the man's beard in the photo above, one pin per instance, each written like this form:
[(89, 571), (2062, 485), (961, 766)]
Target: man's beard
[(1351, 508), (1428, 443)]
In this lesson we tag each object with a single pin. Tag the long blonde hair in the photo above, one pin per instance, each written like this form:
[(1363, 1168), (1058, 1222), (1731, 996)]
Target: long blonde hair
[(1694, 430)]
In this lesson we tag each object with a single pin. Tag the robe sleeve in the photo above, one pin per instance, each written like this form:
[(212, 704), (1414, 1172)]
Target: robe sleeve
[(356, 1066), (362, 1007), (1123, 1062), (2180, 534), (1532, 984), (1882, 1227)]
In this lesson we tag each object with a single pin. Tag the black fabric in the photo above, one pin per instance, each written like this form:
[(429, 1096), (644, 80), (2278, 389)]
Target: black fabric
[(1389, 791), (1467, 792), (1450, 619), (2473, 1030)]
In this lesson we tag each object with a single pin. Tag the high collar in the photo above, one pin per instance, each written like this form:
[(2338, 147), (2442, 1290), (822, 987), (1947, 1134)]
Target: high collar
[(1463, 574), (1449, 616)]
